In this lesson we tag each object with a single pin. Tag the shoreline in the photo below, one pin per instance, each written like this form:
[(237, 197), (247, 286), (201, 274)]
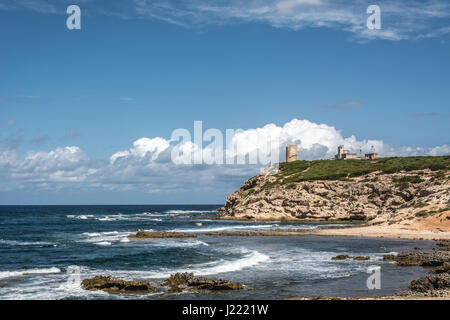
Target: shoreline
[(428, 228)]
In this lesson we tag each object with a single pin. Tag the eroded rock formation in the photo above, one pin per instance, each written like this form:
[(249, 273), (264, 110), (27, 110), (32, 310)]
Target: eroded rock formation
[(186, 281), (374, 198), (116, 286)]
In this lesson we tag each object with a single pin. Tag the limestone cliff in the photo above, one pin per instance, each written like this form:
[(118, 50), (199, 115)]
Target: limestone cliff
[(388, 190)]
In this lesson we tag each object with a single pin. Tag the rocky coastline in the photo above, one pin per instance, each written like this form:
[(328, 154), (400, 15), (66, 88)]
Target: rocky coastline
[(373, 198), (437, 283), (434, 286)]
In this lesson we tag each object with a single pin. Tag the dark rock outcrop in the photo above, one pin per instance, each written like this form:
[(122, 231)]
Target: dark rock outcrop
[(117, 286), (341, 257), (186, 281), (360, 258), (424, 259), (160, 234), (437, 284), (345, 257), (430, 283), (445, 268)]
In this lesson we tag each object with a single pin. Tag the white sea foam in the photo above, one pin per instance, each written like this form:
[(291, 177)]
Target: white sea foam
[(115, 237), (167, 242), (104, 238), (153, 214), (103, 243), (189, 211), (26, 243), (18, 273), (80, 217), (117, 217), (250, 259)]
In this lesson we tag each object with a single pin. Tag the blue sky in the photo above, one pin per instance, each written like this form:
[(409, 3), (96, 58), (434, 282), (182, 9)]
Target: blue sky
[(140, 69)]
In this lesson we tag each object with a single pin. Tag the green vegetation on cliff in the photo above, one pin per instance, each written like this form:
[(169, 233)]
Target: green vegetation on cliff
[(298, 171)]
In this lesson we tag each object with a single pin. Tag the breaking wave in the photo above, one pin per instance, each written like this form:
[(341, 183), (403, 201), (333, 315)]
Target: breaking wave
[(18, 273)]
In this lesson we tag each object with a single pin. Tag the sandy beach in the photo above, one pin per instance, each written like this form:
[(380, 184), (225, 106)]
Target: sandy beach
[(435, 227)]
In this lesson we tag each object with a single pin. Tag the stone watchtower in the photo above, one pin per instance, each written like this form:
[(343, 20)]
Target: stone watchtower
[(291, 153)]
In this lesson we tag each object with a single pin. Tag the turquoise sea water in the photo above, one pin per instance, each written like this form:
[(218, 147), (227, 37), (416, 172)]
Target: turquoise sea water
[(40, 246)]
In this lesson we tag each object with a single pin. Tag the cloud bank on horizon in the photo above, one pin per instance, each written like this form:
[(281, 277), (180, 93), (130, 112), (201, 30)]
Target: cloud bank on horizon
[(147, 165), (402, 20)]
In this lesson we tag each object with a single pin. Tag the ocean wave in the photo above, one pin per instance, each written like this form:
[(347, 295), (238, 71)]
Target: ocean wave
[(177, 243), (26, 243), (115, 217), (106, 238), (80, 217), (103, 243), (153, 214), (18, 273), (250, 259), (190, 211)]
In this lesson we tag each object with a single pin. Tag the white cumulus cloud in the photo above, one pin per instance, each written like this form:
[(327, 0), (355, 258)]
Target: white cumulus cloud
[(148, 164)]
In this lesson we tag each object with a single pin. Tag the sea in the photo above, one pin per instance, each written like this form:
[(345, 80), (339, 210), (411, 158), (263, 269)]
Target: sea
[(45, 251)]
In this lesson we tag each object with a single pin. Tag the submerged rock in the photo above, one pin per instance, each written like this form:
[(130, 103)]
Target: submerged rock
[(341, 257), (212, 284), (160, 234), (179, 281), (116, 286), (360, 258), (345, 257)]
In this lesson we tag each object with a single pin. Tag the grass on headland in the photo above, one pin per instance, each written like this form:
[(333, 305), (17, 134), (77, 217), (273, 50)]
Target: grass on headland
[(301, 170)]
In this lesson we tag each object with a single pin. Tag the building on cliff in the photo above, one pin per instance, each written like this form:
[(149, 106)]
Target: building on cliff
[(291, 153), (371, 156), (344, 154)]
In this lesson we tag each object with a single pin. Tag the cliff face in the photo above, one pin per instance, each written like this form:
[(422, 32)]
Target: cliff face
[(375, 197)]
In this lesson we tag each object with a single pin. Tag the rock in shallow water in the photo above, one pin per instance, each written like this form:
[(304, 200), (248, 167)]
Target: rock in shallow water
[(114, 285), (179, 281), (345, 257), (341, 257), (176, 282), (424, 259), (360, 258), (160, 234)]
